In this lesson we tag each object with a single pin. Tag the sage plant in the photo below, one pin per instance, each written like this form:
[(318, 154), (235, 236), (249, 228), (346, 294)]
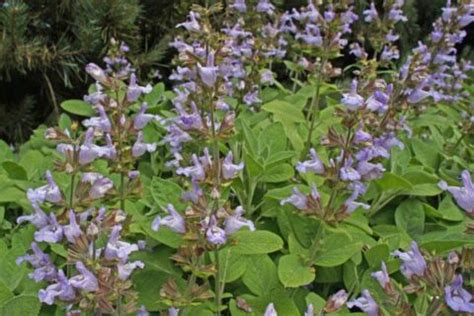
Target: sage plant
[(88, 219)]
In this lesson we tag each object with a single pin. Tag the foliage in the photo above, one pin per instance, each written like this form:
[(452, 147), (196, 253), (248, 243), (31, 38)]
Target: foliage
[(256, 196)]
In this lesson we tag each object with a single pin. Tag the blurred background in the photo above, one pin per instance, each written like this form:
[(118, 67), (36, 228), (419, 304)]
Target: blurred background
[(45, 44)]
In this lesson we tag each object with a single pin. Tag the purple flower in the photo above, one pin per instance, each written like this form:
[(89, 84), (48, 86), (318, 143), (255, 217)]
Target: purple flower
[(348, 18), (208, 73), (52, 233), (264, 6), (96, 72), (314, 165), (109, 150), (214, 234), (194, 194), (140, 148), (174, 221), (86, 280), (311, 35), (298, 199), (73, 230), (347, 173), (251, 97), (176, 136), (239, 5), (417, 95), (357, 50), (352, 100), (142, 118), (192, 23), (134, 91), (396, 15), (371, 14), (467, 18), (44, 268), (230, 170), (49, 192), (124, 270), (100, 185), (235, 222), (117, 249), (142, 311), (195, 172), (173, 311), (370, 171), (270, 310), (329, 15), (362, 137), (457, 298), (413, 261), (62, 290), (39, 218), (350, 205), (378, 102), (337, 300), (366, 303), (391, 37), (464, 196), (266, 76), (382, 276), (190, 121), (88, 151), (309, 310), (101, 123), (389, 53)]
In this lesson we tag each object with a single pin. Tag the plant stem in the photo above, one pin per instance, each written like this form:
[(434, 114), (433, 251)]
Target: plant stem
[(217, 285), (71, 194), (122, 191), (314, 108)]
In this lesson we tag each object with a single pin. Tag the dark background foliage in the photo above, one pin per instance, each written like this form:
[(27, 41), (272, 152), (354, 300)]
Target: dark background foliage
[(45, 44)]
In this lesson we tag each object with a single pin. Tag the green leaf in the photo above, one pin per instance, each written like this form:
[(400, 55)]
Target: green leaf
[(5, 293), (285, 110), (59, 249), (256, 242), (253, 166), (424, 189), (278, 173), (336, 249), (158, 260), (271, 138), (377, 254), (14, 170), (261, 275), (251, 141), (391, 181), (21, 305), (450, 211), (155, 95), (317, 301), (410, 216), (232, 265), (443, 241), (426, 153), (294, 272), (78, 107), (148, 284), (166, 192), (420, 177), (5, 151)]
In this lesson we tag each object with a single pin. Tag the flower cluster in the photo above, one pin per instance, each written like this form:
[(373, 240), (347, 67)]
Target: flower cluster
[(435, 276), (318, 32), (88, 218)]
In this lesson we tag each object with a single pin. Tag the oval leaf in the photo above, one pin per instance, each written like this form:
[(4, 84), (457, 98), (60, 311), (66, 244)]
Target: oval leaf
[(78, 107)]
